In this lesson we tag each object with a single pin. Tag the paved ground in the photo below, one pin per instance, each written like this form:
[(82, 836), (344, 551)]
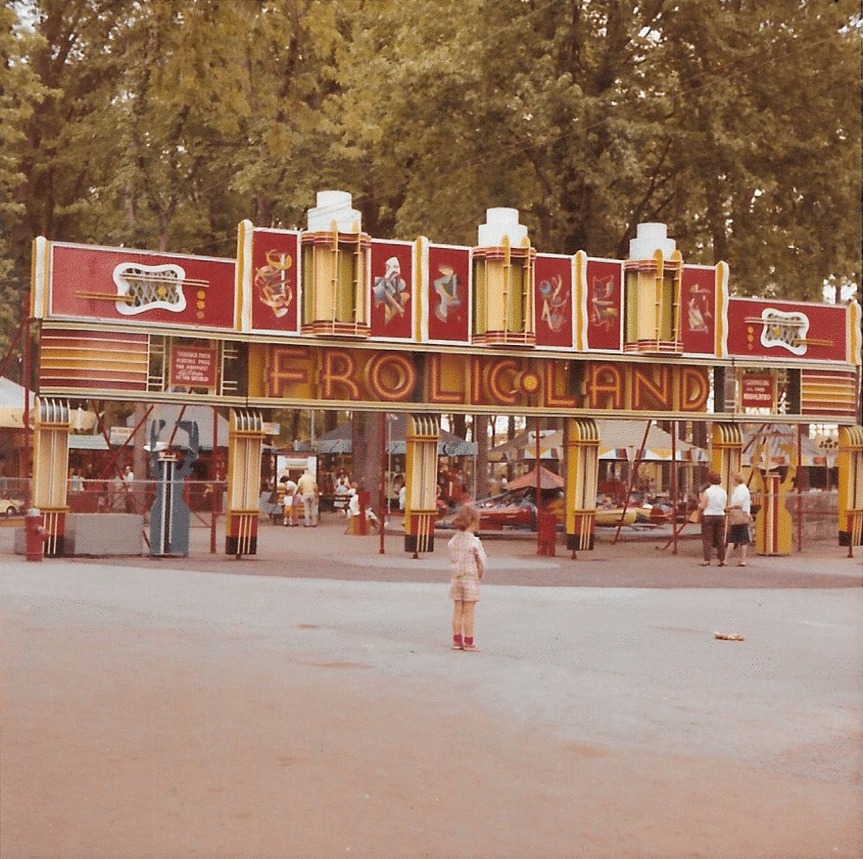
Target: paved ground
[(304, 703)]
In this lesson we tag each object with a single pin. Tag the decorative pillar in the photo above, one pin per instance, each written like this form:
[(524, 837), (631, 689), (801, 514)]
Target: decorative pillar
[(245, 446), (652, 303), (582, 474), (503, 282), (850, 462), (423, 433), (774, 525), (335, 269), (50, 468), (726, 450)]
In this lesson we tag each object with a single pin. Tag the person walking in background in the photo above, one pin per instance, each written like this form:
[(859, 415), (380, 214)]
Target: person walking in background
[(467, 563), (288, 517), (343, 486), (307, 487), (739, 518), (712, 506)]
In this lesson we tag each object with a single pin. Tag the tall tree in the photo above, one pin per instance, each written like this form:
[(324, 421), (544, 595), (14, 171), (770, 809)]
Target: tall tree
[(163, 124), (592, 117), (21, 93)]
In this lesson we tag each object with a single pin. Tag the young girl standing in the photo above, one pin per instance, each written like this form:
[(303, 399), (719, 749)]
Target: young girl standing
[(467, 562)]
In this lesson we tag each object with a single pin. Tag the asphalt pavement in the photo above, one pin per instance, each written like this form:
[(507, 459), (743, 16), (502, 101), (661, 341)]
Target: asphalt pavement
[(305, 702)]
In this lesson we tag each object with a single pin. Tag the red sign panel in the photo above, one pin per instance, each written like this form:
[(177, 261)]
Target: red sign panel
[(448, 303), (193, 368), (785, 329), (275, 257), (604, 304), (698, 319), (140, 287), (553, 301), (756, 392), (392, 289)]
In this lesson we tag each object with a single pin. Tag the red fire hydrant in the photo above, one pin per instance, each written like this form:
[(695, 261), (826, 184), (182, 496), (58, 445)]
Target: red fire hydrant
[(34, 532)]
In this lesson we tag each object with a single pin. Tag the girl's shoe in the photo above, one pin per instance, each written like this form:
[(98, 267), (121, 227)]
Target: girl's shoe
[(470, 647), (705, 563)]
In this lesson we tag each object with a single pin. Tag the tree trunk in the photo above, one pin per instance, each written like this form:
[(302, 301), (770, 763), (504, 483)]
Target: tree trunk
[(480, 437)]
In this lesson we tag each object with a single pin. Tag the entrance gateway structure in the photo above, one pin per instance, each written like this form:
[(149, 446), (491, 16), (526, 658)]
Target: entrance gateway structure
[(329, 317)]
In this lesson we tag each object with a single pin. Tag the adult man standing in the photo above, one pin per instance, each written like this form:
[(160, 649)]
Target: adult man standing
[(307, 487)]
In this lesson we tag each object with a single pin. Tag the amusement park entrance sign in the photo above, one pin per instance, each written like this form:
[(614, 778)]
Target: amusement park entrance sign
[(330, 317)]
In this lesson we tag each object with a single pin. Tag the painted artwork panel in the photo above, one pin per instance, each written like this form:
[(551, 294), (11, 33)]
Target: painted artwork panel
[(392, 289), (448, 298), (604, 304), (698, 316), (553, 301), (141, 287), (275, 277), (783, 329)]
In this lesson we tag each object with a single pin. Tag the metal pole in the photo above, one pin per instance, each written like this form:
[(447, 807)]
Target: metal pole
[(28, 441), (674, 486), (213, 483), (382, 505), (538, 493), (633, 471), (799, 488)]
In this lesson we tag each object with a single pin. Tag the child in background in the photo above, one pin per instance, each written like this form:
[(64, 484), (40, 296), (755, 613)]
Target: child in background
[(467, 562)]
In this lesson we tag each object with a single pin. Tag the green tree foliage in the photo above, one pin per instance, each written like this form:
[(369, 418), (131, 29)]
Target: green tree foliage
[(20, 95), (162, 124), (737, 123)]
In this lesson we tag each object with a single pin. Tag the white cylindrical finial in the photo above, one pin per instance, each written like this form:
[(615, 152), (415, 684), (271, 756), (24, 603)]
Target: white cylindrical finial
[(501, 222), (650, 238), (334, 206)]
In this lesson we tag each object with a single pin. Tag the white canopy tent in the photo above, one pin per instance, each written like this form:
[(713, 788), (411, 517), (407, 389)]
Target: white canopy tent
[(776, 445), (619, 440), (12, 404), (339, 440)]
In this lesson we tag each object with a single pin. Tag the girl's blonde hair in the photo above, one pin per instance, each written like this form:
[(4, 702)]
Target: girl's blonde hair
[(465, 517)]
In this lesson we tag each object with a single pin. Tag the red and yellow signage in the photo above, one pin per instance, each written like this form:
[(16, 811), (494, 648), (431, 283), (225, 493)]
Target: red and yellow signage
[(392, 290), (785, 330), (757, 392), (447, 296), (554, 301), (402, 328), (193, 367), (361, 376), (133, 288), (271, 278), (604, 304)]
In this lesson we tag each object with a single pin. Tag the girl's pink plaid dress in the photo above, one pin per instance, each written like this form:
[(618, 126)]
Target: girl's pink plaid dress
[(467, 559)]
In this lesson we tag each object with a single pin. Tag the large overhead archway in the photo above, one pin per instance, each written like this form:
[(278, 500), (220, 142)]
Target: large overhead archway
[(329, 317)]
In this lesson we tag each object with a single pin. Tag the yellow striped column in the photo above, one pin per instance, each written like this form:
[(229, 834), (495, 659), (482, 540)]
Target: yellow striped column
[(580, 482), (50, 468), (423, 433), (850, 462), (245, 446), (774, 525), (726, 451)]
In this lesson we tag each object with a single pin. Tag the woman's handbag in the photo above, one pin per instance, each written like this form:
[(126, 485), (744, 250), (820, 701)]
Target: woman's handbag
[(695, 516), (738, 516)]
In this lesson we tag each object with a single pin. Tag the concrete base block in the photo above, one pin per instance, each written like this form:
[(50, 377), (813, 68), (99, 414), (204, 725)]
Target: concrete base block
[(104, 534)]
